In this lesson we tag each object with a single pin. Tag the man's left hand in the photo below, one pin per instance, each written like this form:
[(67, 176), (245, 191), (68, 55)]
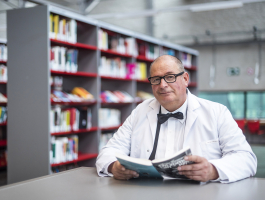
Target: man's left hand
[(201, 170)]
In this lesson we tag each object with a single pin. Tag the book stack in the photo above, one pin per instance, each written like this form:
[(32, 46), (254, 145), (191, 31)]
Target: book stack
[(102, 40), (141, 71), (63, 149), (3, 73), (117, 43), (148, 51), (78, 94), (186, 60), (3, 98), (104, 138), (115, 97), (3, 53), (3, 114), (165, 51), (56, 81), (63, 29), (114, 67), (63, 59), (70, 119), (109, 117), (141, 96)]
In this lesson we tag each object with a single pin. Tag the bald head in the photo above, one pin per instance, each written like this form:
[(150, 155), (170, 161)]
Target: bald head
[(168, 58)]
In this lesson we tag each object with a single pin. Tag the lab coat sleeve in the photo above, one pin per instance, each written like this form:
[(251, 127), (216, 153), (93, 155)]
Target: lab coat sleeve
[(119, 143), (238, 160)]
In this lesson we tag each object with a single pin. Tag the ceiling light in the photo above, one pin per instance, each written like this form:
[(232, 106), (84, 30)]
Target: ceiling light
[(216, 6)]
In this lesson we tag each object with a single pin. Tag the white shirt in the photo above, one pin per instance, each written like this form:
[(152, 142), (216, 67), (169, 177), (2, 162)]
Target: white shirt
[(171, 136)]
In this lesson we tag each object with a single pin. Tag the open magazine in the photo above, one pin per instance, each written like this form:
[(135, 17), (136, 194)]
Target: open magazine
[(160, 168)]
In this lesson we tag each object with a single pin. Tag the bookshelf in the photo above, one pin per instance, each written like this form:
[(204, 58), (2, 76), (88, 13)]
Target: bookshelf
[(29, 130), (3, 125)]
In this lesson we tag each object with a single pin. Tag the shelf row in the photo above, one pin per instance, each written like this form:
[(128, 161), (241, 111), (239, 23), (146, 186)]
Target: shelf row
[(111, 52)]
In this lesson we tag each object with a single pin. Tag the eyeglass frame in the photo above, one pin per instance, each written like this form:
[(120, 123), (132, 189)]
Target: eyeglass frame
[(163, 77)]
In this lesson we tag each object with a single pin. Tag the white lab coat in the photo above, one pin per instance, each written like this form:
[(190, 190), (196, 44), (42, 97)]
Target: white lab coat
[(210, 131)]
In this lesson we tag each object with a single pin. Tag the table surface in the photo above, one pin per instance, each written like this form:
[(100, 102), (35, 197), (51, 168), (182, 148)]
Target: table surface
[(84, 183)]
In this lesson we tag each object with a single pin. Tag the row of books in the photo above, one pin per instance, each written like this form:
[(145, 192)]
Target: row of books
[(3, 158), (3, 98), (149, 51), (3, 114), (3, 52), (117, 67), (117, 43), (104, 138), (63, 29), (70, 119), (114, 67), (186, 59), (165, 51), (142, 95), (63, 149), (115, 97), (56, 81), (3, 73), (63, 59), (78, 94), (109, 117)]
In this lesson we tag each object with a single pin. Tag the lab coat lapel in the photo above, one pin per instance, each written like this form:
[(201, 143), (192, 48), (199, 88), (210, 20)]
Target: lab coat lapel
[(193, 104), (152, 117)]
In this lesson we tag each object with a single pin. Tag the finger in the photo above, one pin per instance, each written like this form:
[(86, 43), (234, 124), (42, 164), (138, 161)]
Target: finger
[(194, 158), (119, 166), (191, 167)]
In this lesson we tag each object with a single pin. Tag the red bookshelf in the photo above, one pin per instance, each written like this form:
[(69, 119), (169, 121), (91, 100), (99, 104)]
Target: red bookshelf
[(3, 143), (74, 132), (3, 82), (84, 74), (115, 53), (110, 128), (83, 103), (115, 78), (3, 104), (77, 45), (143, 58), (192, 84), (81, 157), (3, 124), (115, 104), (192, 68), (143, 81)]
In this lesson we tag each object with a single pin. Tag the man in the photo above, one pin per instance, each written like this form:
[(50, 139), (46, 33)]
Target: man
[(220, 150)]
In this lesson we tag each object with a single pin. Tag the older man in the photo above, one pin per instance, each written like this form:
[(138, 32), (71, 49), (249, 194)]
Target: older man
[(220, 150)]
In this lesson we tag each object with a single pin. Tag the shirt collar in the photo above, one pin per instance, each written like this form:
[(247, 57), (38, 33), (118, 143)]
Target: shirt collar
[(182, 109)]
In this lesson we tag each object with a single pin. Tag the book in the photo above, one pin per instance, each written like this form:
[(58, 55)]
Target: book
[(159, 168)]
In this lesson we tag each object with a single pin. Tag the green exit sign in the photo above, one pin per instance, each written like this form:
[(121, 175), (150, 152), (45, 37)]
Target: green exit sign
[(233, 71)]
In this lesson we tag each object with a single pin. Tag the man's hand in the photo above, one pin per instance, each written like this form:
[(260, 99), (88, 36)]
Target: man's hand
[(201, 170), (119, 172)]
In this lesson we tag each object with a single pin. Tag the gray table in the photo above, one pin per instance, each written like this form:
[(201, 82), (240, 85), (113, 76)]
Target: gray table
[(83, 183)]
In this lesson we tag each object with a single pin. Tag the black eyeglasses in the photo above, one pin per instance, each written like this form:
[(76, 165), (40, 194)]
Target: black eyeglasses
[(170, 78)]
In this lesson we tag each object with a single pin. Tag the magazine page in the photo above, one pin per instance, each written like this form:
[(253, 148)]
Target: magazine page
[(168, 167)]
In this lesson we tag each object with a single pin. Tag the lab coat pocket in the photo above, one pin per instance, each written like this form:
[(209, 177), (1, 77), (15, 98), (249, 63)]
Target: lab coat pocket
[(211, 149)]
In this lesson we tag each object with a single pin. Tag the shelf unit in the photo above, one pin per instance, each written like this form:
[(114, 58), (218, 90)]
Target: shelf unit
[(29, 56), (3, 127)]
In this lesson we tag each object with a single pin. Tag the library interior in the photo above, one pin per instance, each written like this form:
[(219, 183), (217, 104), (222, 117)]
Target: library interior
[(72, 72)]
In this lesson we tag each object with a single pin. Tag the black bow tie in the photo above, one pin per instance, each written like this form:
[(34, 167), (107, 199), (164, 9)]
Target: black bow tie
[(164, 117)]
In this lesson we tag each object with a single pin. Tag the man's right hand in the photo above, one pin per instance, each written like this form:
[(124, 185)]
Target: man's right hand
[(119, 172)]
